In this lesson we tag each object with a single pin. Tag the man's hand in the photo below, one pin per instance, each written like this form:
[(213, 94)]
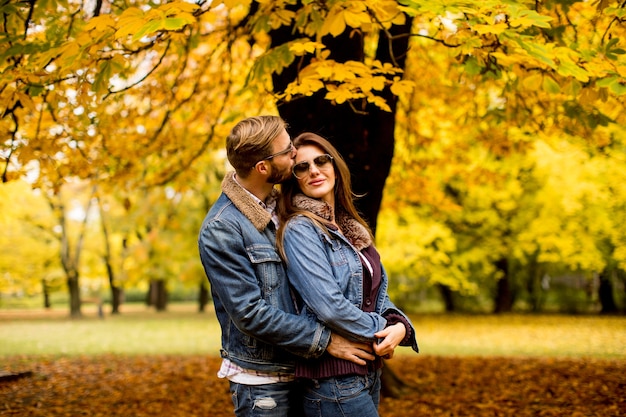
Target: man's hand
[(356, 352)]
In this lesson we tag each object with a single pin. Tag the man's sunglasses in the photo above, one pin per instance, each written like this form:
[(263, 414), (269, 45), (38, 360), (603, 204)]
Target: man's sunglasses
[(301, 169), (289, 149)]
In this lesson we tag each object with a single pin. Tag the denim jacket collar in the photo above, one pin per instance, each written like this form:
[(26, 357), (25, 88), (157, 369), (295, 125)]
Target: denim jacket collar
[(354, 231), (241, 198)]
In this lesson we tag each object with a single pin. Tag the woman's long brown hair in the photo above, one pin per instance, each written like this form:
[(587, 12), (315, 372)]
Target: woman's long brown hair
[(344, 197)]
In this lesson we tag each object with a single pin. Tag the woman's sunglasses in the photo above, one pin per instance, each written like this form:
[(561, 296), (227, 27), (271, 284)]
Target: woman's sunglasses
[(301, 169)]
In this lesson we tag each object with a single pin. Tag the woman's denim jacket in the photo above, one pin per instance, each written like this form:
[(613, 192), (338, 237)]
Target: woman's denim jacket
[(252, 298), (326, 272)]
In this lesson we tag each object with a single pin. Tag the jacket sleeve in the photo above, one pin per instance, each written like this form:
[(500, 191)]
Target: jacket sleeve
[(311, 274), (394, 315), (234, 282)]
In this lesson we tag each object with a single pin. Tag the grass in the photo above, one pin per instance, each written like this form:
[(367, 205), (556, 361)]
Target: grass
[(523, 335), (182, 330), (138, 330)]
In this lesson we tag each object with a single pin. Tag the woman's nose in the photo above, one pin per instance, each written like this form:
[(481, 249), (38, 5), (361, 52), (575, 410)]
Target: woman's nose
[(313, 169)]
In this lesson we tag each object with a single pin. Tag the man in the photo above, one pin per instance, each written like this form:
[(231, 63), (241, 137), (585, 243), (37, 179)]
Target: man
[(261, 331)]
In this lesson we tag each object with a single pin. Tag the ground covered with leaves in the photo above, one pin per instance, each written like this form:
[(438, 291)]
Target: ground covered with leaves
[(188, 386)]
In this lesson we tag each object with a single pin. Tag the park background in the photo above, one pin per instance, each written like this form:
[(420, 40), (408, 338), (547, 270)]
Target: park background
[(486, 139)]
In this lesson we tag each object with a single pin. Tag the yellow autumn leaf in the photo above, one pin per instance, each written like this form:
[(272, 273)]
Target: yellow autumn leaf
[(305, 86), (100, 23), (358, 68), (388, 12), (339, 94), (375, 83), (398, 18), (27, 101), (334, 24), (131, 13), (179, 6), (69, 53), (355, 18), (324, 68), (366, 85), (494, 29), (342, 73), (386, 68), (281, 17), (379, 102), (303, 47), (130, 22), (402, 87), (507, 60), (532, 82), (231, 4)]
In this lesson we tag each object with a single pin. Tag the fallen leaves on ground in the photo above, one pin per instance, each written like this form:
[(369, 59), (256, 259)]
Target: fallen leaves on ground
[(188, 386)]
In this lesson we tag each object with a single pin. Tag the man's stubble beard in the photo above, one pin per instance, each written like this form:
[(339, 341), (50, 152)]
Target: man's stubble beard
[(278, 176)]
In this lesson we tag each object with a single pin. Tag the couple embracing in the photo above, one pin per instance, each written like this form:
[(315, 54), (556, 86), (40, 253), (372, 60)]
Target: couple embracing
[(297, 283)]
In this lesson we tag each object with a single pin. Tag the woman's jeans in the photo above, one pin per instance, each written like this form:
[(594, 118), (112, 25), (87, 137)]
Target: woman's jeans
[(282, 399), (346, 396)]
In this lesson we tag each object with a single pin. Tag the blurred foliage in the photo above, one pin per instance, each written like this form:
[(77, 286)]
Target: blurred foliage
[(509, 150)]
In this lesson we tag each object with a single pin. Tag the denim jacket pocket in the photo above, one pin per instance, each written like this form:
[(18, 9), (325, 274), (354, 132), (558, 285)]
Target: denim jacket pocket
[(259, 252), (268, 265)]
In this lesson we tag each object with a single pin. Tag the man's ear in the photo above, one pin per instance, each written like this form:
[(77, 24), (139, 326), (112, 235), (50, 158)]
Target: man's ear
[(261, 168)]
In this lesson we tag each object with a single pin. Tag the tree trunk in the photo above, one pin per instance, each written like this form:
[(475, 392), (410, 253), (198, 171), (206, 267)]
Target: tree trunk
[(391, 384), (504, 294), (447, 296), (117, 294), (365, 139), (74, 293), (203, 297), (46, 294), (605, 294), (149, 296), (108, 260), (158, 295)]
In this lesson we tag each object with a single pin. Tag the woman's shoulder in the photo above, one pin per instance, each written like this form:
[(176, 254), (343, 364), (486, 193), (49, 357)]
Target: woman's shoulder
[(299, 221)]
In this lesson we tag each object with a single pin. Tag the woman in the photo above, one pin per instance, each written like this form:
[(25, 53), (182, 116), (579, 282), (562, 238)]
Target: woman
[(336, 272)]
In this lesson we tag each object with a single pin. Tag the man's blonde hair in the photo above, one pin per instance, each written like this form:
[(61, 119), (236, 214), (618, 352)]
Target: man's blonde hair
[(251, 140)]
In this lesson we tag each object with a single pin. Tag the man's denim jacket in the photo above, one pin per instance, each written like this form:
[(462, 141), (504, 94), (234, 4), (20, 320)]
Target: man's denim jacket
[(249, 286), (326, 271)]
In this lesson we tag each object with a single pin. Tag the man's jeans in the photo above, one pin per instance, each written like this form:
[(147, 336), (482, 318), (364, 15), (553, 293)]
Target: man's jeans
[(282, 399), (347, 396)]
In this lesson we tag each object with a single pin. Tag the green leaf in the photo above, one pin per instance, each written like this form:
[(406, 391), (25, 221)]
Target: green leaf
[(472, 67), (101, 82), (275, 60), (175, 23), (605, 82), (550, 86), (571, 69), (618, 88), (262, 24), (521, 18), (148, 29), (537, 51)]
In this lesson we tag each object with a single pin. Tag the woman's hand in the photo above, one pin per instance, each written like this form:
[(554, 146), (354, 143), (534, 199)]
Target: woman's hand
[(388, 339)]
